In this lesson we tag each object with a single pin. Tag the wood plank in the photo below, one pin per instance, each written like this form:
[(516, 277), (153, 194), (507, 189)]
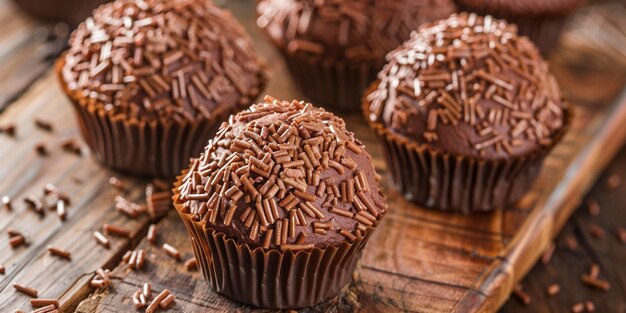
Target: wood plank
[(27, 49), (567, 265), (25, 173)]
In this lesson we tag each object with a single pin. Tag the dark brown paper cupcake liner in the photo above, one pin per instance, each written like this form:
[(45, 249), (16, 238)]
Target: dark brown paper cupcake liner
[(270, 278), (447, 182), (151, 149), (336, 85), (543, 30)]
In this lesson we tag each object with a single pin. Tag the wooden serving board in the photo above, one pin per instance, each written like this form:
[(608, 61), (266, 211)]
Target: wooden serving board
[(417, 261)]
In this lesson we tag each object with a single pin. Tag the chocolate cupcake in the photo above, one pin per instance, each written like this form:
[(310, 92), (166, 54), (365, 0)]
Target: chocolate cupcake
[(280, 205), (541, 20), (334, 49), (152, 80), (466, 111), (67, 11)]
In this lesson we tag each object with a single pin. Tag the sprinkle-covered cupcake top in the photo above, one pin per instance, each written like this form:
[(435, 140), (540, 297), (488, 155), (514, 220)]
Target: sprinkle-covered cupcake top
[(469, 86), (170, 59), (354, 30), (284, 175)]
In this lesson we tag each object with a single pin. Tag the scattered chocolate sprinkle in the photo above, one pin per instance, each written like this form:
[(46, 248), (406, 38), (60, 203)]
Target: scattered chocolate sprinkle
[(621, 234), (594, 270), (522, 295), (60, 208), (117, 183), (613, 181), (47, 309), (35, 204), (71, 145), (157, 301), (37, 303), (547, 256), (173, 252), (31, 292), (136, 300), (102, 279), (595, 282), (140, 259), (191, 264), (17, 241), (152, 233), (158, 203), (59, 252), (41, 149), (596, 231), (116, 231), (8, 129), (2, 269), (101, 239), (578, 307), (129, 208), (43, 124), (165, 303), (593, 207), (147, 290), (571, 242), (553, 289), (6, 202), (126, 257)]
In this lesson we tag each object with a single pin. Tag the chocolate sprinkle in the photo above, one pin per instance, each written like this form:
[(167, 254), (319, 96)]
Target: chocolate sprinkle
[(259, 179)]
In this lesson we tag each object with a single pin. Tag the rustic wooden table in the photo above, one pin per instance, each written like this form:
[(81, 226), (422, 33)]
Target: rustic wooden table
[(450, 263)]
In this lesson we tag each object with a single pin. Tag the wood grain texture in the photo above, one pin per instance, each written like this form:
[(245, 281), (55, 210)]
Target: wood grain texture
[(568, 264), (417, 261), (23, 173)]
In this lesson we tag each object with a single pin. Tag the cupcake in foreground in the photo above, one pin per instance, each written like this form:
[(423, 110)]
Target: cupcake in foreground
[(280, 205), (466, 111), (541, 20), (152, 80), (334, 49)]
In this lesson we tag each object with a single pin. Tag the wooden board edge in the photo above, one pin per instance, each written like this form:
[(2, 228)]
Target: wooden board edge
[(541, 227)]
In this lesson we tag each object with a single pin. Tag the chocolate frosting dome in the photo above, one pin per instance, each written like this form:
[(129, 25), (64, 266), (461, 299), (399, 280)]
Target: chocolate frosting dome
[(158, 59), (353, 30), (469, 86), (284, 175)]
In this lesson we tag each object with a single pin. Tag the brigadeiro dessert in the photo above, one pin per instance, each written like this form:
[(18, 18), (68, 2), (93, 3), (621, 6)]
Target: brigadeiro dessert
[(466, 111), (280, 205), (68, 11), (541, 20), (151, 80), (334, 49)]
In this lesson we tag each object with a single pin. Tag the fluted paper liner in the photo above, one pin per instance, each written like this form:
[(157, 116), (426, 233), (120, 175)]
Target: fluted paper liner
[(153, 149), (334, 84), (270, 278), (439, 180)]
